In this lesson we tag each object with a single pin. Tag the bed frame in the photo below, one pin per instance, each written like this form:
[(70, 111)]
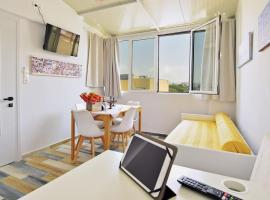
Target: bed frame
[(220, 162)]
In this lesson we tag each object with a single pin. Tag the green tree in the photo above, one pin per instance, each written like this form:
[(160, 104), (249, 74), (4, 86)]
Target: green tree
[(178, 88)]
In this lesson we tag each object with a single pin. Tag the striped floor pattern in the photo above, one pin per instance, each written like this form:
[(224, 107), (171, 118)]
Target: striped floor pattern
[(39, 168)]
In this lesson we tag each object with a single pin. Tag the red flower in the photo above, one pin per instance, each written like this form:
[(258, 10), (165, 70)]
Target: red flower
[(90, 97)]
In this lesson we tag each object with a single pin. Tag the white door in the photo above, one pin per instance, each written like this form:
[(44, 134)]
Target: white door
[(8, 87)]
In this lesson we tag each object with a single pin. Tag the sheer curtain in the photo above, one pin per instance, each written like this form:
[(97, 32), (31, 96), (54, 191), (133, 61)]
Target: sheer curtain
[(111, 71), (102, 68), (208, 58), (227, 63), (95, 61)]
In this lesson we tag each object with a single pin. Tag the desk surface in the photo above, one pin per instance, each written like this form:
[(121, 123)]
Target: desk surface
[(100, 178)]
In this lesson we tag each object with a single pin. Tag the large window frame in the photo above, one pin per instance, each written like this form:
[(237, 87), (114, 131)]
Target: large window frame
[(215, 83), (155, 64), (158, 77), (130, 40), (156, 35)]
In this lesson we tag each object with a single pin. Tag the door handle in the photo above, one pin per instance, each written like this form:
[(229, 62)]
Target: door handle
[(8, 99)]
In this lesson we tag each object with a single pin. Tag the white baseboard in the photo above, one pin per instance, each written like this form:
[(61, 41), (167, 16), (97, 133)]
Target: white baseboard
[(45, 147)]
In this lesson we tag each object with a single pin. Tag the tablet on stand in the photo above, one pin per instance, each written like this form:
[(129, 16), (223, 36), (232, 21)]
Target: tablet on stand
[(148, 162)]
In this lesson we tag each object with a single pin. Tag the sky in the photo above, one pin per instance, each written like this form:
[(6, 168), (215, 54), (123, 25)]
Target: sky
[(173, 57)]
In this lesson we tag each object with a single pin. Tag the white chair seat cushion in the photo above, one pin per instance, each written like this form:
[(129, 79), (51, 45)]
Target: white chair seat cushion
[(98, 133), (100, 124), (117, 120), (117, 129)]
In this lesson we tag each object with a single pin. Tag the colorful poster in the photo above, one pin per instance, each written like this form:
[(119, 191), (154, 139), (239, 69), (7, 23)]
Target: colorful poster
[(43, 66)]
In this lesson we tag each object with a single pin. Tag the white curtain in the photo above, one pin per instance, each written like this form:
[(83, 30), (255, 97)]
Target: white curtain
[(227, 62), (227, 65), (208, 62), (95, 61), (111, 71)]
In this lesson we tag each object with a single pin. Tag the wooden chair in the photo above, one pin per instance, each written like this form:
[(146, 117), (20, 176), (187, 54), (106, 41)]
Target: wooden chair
[(124, 128), (87, 129)]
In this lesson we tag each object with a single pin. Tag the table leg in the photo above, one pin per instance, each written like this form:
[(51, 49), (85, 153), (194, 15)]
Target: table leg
[(72, 137), (140, 121), (107, 136)]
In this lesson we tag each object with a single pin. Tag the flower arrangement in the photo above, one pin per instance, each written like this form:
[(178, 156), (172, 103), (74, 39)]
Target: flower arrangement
[(91, 97)]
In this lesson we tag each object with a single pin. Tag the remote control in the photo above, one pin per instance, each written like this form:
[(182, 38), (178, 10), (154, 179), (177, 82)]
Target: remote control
[(206, 189)]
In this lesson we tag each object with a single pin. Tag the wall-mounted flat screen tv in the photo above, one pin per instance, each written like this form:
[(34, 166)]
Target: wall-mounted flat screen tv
[(61, 41)]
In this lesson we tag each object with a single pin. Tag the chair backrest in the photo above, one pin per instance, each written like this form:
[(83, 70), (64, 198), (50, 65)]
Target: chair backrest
[(80, 106), (127, 122), (86, 124), (133, 103)]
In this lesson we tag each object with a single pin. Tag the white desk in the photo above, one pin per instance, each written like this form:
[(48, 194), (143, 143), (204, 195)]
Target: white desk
[(100, 178)]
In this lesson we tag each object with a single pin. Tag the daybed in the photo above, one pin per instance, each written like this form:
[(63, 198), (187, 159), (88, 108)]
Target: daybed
[(212, 143)]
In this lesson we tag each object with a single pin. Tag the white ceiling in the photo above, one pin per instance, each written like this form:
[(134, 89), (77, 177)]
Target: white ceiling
[(118, 17)]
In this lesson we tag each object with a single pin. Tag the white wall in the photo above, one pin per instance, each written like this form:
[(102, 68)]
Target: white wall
[(253, 80), (45, 102), (162, 112), (54, 11)]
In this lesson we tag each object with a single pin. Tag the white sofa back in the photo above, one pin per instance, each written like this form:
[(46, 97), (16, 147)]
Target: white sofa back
[(219, 162), (261, 172)]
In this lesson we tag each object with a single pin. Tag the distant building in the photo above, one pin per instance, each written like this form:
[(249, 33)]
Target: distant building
[(142, 83), (124, 82), (163, 85)]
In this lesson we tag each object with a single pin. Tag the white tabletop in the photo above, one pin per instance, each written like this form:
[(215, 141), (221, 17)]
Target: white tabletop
[(115, 111), (100, 178)]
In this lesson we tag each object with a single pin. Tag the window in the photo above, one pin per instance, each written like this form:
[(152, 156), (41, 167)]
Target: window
[(188, 62), (174, 63), (143, 64), (205, 58), (124, 64)]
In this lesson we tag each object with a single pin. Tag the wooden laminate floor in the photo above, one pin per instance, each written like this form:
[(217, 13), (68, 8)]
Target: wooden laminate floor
[(39, 168)]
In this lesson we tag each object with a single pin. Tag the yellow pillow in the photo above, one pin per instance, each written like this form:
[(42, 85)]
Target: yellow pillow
[(230, 138)]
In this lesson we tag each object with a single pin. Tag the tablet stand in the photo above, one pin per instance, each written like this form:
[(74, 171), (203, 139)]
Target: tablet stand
[(168, 193)]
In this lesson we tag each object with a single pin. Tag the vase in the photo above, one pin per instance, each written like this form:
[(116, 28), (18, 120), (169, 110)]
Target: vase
[(89, 106)]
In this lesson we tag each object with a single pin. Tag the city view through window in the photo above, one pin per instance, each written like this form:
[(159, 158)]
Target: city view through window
[(174, 63), (173, 69)]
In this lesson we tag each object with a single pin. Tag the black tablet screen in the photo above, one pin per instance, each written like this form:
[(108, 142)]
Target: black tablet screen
[(144, 161)]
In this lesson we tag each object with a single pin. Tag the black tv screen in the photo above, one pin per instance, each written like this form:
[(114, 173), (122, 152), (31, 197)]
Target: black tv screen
[(61, 41)]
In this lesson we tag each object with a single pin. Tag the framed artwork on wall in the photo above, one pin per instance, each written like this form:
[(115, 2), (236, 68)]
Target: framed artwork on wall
[(264, 28), (245, 50), (48, 67)]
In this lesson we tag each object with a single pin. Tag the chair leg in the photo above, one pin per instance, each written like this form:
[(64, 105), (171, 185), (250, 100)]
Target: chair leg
[(127, 137), (118, 138), (103, 140), (123, 141), (112, 137), (93, 146), (134, 129), (79, 145)]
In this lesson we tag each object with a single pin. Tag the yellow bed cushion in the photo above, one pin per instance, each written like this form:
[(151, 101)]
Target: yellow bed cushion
[(220, 134), (195, 133), (229, 137)]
